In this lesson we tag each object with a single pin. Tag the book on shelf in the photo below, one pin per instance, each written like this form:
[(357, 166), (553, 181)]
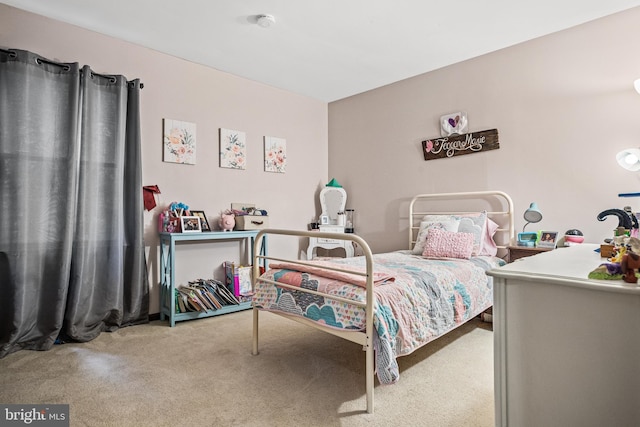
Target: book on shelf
[(225, 292), (215, 301), (238, 278), (203, 295), (195, 301), (207, 301), (180, 306)]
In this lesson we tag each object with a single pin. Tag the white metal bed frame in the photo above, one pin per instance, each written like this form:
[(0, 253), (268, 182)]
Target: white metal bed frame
[(503, 216)]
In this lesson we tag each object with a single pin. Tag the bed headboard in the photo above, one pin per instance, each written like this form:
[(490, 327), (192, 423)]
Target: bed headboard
[(497, 204)]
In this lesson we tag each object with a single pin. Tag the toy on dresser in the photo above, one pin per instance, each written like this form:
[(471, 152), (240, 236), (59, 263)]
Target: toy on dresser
[(624, 263), (630, 259), (622, 251), (629, 265)]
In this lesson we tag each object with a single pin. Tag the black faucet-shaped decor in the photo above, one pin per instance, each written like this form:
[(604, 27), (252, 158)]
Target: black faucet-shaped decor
[(624, 219)]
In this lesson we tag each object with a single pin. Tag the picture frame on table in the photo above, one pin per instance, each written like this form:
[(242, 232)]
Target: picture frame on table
[(203, 220), (548, 239), (190, 224)]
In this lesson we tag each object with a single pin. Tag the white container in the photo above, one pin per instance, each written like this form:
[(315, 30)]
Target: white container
[(251, 222)]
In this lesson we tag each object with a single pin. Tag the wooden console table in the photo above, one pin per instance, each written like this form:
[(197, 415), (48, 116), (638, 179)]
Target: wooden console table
[(168, 271)]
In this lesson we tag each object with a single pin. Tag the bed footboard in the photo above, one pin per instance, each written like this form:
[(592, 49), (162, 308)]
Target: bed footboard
[(365, 337)]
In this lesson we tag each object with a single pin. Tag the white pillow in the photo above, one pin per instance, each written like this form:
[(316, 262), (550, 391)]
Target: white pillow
[(446, 224), (470, 225)]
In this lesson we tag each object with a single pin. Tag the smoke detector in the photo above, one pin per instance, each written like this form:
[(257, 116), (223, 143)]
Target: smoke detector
[(266, 21)]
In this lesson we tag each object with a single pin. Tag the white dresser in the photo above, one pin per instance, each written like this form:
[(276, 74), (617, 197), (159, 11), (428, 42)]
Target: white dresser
[(566, 348)]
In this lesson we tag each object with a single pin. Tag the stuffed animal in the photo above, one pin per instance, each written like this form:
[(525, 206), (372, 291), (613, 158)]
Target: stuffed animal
[(227, 221), (629, 264)]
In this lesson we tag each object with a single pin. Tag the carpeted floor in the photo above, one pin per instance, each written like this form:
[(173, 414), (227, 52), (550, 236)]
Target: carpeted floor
[(202, 373)]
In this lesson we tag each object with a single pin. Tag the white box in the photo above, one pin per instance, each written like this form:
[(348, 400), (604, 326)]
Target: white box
[(252, 222), (249, 222)]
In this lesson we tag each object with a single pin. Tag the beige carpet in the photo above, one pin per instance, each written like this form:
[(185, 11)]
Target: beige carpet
[(202, 373)]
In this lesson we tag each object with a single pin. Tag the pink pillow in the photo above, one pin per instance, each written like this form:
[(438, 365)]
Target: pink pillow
[(489, 246), (479, 225), (447, 244)]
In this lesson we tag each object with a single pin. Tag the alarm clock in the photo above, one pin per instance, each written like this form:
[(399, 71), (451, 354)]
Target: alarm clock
[(527, 239)]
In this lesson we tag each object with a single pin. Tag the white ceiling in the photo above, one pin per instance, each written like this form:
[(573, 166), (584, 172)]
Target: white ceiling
[(325, 49)]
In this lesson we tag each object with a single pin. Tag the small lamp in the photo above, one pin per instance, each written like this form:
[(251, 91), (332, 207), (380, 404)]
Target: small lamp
[(629, 159), (532, 215), (636, 85)]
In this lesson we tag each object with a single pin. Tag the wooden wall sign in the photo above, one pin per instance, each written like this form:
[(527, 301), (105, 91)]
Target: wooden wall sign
[(457, 145)]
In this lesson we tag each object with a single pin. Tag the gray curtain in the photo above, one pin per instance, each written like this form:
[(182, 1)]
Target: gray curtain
[(71, 201)]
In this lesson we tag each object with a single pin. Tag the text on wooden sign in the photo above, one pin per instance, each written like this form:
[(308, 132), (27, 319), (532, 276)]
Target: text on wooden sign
[(457, 145)]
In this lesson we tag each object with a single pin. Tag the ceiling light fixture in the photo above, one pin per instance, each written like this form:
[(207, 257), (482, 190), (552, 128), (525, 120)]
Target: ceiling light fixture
[(629, 159), (265, 21)]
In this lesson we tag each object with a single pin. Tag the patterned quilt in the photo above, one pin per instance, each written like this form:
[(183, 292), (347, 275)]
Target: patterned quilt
[(422, 300)]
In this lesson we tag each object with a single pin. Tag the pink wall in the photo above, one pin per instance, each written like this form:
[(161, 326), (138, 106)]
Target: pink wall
[(563, 104), (181, 90)]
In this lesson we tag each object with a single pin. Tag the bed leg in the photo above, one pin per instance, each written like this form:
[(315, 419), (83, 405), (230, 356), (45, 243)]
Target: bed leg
[(254, 351), (370, 377)]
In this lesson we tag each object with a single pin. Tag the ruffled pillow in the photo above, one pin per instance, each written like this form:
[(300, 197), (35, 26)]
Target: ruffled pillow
[(447, 244), (478, 224), (448, 224)]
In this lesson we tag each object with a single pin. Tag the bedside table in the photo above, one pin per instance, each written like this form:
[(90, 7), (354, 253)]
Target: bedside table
[(517, 252), (315, 242)]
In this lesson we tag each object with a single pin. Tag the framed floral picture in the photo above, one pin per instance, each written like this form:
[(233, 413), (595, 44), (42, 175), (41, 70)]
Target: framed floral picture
[(179, 140), (275, 154), (233, 149)]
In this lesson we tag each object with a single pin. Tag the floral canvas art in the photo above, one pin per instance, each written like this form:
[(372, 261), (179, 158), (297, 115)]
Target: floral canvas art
[(179, 142), (275, 154), (233, 149)]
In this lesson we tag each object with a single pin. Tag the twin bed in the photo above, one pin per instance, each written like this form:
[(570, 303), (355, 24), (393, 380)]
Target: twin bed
[(393, 303)]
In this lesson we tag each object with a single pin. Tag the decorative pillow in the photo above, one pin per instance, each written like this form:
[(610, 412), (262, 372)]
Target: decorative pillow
[(474, 223), (448, 224), (447, 244)]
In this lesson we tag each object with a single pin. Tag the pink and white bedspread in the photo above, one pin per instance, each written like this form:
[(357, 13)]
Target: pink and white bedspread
[(418, 300)]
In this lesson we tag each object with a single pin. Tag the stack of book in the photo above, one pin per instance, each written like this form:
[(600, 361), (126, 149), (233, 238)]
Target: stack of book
[(203, 295)]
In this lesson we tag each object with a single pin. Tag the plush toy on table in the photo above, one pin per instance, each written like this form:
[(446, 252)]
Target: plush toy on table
[(227, 220)]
